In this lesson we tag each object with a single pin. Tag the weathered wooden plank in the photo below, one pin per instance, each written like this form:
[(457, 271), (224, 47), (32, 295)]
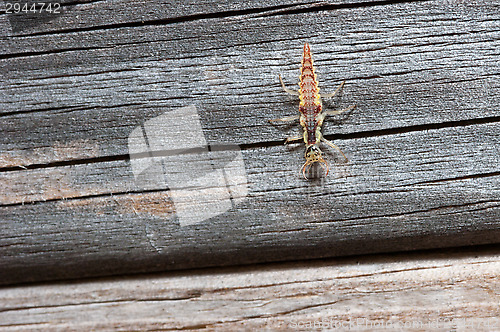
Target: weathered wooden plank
[(86, 15), (70, 104), (449, 290), (82, 15), (437, 64), (410, 192), (376, 163)]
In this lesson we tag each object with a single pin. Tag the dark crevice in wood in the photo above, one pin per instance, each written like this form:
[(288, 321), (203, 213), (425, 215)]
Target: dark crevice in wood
[(368, 192), (422, 127), (409, 213), (51, 109), (130, 192), (283, 231), (79, 2), (189, 296), (198, 326), (390, 131), (91, 196), (122, 70), (180, 19), (69, 162), (459, 178), (67, 109), (271, 11), (325, 7), (46, 52), (419, 268)]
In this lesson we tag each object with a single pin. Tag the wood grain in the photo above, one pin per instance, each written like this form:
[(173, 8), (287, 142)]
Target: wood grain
[(453, 289), (388, 199), (422, 142), (401, 71)]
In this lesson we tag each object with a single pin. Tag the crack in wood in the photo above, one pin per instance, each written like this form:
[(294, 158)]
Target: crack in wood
[(256, 145), (66, 109), (416, 128), (67, 199), (271, 11), (100, 302), (416, 212), (48, 52), (321, 6), (458, 178), (173, 20)]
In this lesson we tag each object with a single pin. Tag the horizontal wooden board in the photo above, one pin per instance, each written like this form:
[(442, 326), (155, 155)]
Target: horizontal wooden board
[(84, 15), (402, 191), (87, 15), (87, 125), (452, 289), (401, 69), (375, 163)]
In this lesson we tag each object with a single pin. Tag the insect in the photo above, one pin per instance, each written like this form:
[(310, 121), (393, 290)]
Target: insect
[(311, 114)]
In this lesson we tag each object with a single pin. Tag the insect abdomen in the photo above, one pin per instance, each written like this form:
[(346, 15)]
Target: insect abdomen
[(310, 102)]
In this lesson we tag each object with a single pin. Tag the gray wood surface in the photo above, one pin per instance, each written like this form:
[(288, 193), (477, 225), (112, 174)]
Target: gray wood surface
[(422, 144), (455, 290)]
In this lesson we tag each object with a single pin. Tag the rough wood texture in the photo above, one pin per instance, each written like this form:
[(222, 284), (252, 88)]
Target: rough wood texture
[(422, 142), (455, 290)]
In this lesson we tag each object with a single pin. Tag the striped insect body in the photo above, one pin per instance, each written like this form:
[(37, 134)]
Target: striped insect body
[(310, 100), (311, 113)]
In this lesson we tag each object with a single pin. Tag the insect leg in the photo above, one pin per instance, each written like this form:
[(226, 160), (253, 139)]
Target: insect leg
[(333, 146), (286, 119), (290, 91), (293, 138), (339, 111), (330, 95)]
